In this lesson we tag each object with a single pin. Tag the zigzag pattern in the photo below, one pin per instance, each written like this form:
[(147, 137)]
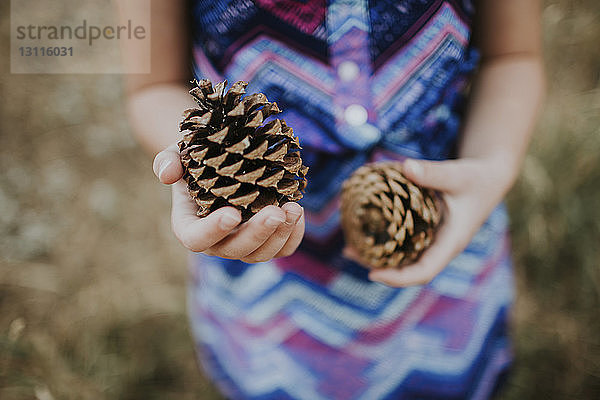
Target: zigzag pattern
[(265, 308), (312, 326), (364, 303)]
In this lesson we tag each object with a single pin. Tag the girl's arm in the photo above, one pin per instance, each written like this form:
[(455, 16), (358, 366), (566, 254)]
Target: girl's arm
[(155, 100), (155, 104), (504, 104)]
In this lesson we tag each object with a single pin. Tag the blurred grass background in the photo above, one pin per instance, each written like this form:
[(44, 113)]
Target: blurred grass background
[(92, 283)]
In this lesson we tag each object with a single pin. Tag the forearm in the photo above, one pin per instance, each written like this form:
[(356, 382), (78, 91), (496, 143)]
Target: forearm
[(155, 112), (504, 105)]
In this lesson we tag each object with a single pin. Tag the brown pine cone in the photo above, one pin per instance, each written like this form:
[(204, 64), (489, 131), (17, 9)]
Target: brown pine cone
[(388, 219), (232, 158)]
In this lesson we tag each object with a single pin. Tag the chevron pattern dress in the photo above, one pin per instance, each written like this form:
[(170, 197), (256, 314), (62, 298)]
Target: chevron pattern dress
[(359, 81)]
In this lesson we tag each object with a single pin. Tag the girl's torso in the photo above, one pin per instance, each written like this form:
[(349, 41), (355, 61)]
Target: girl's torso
[(359, 81)]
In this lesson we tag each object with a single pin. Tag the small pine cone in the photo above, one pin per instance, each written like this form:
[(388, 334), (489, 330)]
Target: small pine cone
[(232, 158), (387, 218)]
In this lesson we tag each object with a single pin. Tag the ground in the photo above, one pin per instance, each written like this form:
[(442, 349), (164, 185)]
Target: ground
[(92, 282)]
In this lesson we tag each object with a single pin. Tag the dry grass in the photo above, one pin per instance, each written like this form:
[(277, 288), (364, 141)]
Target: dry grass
[(92, 283), (556, 219)]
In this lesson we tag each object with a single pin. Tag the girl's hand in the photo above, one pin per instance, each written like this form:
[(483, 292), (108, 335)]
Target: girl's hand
[(272, 232), (471, 188)]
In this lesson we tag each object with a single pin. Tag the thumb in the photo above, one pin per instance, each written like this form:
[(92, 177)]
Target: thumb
[(167, 165), (445, 176)]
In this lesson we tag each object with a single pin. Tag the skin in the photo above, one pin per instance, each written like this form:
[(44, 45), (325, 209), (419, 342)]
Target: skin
[(505, 100)]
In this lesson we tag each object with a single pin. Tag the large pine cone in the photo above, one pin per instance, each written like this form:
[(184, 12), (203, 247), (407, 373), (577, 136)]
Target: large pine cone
[(387, 218), (231, 158)]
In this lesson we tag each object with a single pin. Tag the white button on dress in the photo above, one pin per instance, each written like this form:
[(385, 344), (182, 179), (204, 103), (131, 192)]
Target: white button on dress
[(369, 133), (348, 71), (355, 115)]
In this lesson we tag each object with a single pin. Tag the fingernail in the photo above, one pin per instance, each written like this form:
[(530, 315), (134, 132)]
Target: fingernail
[(162, 166), (293, 216), (413, 168), (273, 222), (228, 221)]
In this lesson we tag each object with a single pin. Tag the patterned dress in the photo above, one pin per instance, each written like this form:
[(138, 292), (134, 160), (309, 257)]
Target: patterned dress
[(359, 81)]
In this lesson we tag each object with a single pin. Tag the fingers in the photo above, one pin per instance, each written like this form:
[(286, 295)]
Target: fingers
[(469, 196), (251, 235), (167, 165), (271, 232), (446, 246), (294, 240), (199, 234), (445, 176), (279, 238)]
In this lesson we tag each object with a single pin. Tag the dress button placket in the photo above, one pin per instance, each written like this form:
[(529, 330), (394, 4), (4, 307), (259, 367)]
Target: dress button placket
[(348, 40)]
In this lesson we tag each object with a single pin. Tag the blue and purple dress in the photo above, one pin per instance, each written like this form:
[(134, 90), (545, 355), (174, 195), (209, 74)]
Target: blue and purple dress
[(359, 81)]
